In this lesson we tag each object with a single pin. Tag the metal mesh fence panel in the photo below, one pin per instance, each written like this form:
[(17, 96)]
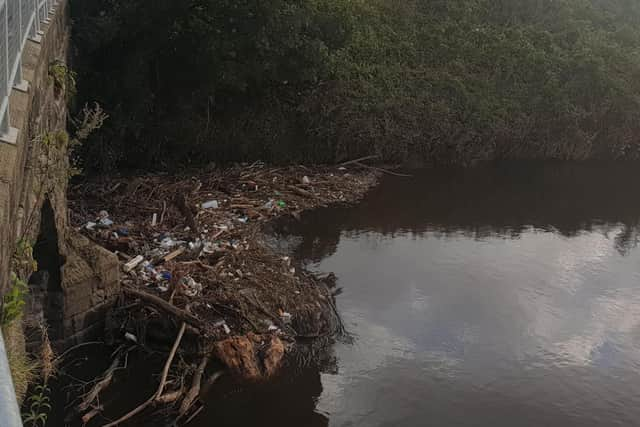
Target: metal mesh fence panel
[(4, 56), (14, 36), (27, 15)]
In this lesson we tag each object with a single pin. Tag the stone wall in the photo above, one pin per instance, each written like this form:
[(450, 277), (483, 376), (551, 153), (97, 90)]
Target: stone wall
[(81, 278)]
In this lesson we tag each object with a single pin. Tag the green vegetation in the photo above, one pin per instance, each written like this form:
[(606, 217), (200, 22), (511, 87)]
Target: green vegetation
[(23, 265), (39, 405), (13, 300), (323, 80), (64, 79)]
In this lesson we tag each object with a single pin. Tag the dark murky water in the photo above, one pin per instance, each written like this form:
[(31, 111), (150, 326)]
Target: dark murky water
[(503, 295)]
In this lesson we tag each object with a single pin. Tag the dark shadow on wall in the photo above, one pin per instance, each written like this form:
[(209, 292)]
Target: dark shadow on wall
[(45, 285)]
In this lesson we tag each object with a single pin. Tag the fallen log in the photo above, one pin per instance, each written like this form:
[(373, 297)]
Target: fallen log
[(164, 305)]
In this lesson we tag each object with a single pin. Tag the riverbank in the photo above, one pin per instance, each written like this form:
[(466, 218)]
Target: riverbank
[(198, 276)]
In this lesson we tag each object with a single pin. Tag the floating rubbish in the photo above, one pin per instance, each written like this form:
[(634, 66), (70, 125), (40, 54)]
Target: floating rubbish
[(103, 214), (154, 220), (165, 275), (123, 231), (223, 324), (211, 204), (286, 317), (306, 180), (133, 263), (269, 205), (191, 287), (168, 243), (210, 248), (282, 204), (243, 219), (342, 168), (105, 222), (131, 337), (90, 225), (273, 328)]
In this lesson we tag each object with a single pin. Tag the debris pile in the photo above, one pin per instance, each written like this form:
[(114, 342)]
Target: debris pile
[(192, 248)]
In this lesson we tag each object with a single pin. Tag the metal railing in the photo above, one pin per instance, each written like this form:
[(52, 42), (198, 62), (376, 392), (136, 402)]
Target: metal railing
[(20, 20), (9, 411)]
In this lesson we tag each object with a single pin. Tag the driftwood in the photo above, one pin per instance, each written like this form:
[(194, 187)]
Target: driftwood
[(92, 413), (164, 305), (181, 202), (194, 391), (174, 254), (299, 191), (163, 380), (170, 397), (210, 382), (100, 385)]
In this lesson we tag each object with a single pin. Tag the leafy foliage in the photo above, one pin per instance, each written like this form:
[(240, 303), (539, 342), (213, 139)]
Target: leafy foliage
[(23, 265), (39, 407), (14, 300), (323, 80)]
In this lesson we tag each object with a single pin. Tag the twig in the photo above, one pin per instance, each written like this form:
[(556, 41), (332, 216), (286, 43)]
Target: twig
[(100, 385), (361, 159), (164, 210), (157, 395), (300, 191), (387, 171), (164, 305), (194, 391), (92, 413), (195, 414), (167, 365), (75, 347)]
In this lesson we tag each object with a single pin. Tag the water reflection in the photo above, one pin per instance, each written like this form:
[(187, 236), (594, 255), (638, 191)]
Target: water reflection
[(504, 295)]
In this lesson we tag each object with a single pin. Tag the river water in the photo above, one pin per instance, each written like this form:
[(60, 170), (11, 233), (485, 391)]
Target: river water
[(501, 295)]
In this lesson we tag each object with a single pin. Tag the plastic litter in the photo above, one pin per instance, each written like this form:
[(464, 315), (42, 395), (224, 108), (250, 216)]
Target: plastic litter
[(105, 222), (306, 180), (286, 317), (133, 263), (223, 324), (154, 220), (211, 204), (168, 243), (191, 287), (282, 204), (131, 337), (90, 225)]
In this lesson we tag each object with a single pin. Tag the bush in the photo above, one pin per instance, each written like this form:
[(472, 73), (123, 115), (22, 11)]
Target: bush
[(323, 80)]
